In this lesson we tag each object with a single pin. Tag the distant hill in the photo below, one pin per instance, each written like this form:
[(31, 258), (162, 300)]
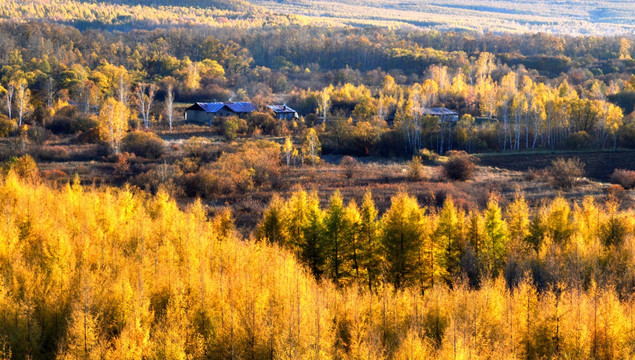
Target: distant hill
[(232, 5), (576, 17)]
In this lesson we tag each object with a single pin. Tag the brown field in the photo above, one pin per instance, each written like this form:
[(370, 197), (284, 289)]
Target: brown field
[(599, 165)]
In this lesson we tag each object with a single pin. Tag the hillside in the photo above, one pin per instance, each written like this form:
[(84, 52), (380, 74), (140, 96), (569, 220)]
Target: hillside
[(576, 17)]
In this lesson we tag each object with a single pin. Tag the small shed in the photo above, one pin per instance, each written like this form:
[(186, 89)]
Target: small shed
[(283, 112)]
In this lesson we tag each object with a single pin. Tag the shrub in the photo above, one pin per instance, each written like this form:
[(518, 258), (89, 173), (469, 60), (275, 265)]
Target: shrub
[(254, 164), (579, 140), (196, 146), (37, 134), (90, 136), (266, 123), (7, 127), (460, 166), (69, 120), (164, 176), (122, 164), (625, 178), (53, 153), (144, 144), (415, 169), (565, 174), (428, 155), (54, 174), (349, 165), (232, 126), (23, 166)]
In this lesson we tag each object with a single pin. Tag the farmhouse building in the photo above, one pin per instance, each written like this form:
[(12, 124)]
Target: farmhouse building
[(204, 112), (444, 115), (283, 112)]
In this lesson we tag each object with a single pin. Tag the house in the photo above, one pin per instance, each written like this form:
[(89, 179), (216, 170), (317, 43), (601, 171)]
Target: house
[(204, 112), (444, 115), (283, 112)]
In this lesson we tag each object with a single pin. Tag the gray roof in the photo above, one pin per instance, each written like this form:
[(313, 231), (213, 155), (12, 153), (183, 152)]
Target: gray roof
[(438, 111), (281, 109)]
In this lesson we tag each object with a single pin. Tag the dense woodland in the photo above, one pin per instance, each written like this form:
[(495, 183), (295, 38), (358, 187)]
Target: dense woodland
[(127, 275), (142, 249)]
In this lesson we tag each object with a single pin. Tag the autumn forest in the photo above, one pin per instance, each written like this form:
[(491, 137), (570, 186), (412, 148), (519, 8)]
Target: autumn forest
[(448, 188)]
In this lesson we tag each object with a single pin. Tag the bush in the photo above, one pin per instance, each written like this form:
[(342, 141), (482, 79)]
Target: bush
[(69, 120), (53, 153), (625, 178), (579, 140), (415, 169), (266, 123), (232, 126), (25, 167), (164, 176), (196, 146), (428, 155), (349, 165), (565, 174), (254, 164), (144, 144), (460, 166), (7, 127)]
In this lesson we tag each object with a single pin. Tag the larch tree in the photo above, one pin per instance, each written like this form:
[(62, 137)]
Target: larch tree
[(351, 229), (295, 218), (517, 216), (449, 235), (402, 240), (495, 237), (312, 246), (369, 238), (113, 123), (271, 226), (336, 249)]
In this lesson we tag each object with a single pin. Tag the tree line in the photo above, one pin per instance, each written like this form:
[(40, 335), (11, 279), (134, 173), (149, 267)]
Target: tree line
[(413, 246)]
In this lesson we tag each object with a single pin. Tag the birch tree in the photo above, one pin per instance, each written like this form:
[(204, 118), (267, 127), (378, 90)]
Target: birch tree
[(288, 150), (113, 123), (23, 96), (9, 98), (312, 146), (145, 97), (169, 104)]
